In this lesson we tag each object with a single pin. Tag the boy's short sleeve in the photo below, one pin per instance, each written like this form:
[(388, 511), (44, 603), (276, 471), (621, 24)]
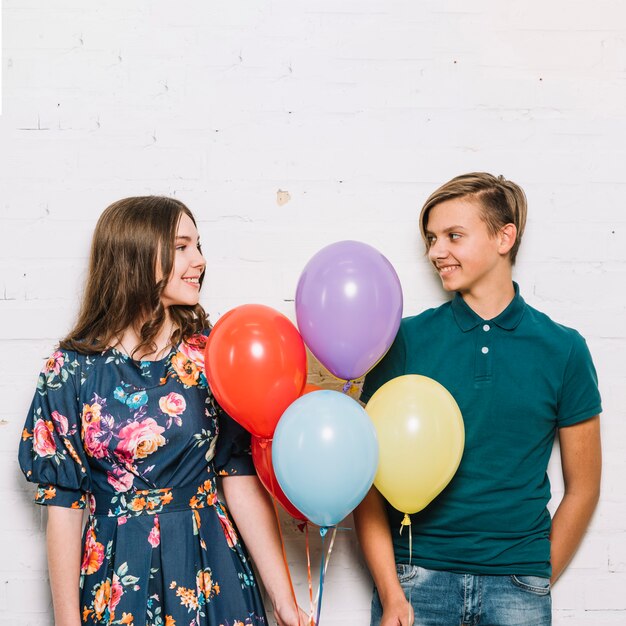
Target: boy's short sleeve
[(579, 398)]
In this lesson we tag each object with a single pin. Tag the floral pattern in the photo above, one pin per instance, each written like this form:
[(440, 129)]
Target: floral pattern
[(137, 443), (93, 553)]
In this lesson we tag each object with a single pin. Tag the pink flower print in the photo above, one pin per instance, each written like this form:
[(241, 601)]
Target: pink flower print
[(95, 441), (139, 439), (154, 538), (54, 363), (60, 422), (94, 554), (116, 593), (120, 479), (194, 350), (172, 404), (43, 441)]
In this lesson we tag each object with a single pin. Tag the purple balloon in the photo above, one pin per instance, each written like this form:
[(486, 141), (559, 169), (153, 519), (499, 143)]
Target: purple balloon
[(348, 307)]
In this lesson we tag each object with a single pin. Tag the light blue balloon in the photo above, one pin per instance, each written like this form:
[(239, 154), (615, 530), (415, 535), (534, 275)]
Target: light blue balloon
[(325, 455)]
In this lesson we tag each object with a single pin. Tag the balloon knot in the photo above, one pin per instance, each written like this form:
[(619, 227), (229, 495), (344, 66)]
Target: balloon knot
[(323, 531), (406, 521), (264, 442), (301, 526), (347, 386)]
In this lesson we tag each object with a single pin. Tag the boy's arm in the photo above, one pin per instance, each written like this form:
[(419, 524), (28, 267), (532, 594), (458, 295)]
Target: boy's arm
[(581, 462), (372, 528)]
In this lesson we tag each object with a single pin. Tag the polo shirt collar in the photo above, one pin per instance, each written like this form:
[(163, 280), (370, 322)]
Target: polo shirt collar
[(509, 319)]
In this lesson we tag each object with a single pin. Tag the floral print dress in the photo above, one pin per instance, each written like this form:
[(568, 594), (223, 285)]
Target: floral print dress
[(136, 443)]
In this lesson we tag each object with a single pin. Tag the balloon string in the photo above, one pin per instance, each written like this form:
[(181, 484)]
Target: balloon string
[(407, 522), (330, 549), (308, 571), (320, 590), (268, 462)]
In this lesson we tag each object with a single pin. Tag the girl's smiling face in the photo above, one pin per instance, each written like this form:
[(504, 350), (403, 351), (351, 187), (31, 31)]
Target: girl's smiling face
[(183, 286), (464, 252)]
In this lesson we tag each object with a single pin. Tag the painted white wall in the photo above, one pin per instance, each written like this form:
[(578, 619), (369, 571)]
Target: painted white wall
[(358, 109)]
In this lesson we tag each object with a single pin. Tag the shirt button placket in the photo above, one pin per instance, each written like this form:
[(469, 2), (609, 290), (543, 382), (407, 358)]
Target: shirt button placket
[(484, 369)]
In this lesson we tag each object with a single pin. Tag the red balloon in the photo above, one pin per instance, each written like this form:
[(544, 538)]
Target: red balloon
[(255, 363), (262, 457)]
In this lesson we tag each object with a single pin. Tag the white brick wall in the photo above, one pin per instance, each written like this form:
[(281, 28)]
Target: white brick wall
[(358, 109)]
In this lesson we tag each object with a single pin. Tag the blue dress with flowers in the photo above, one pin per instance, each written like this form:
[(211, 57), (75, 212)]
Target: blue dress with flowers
[(136, 443)]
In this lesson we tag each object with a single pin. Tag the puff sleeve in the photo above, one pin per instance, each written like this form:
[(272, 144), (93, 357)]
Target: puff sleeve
[(232, 453), (51, 451)]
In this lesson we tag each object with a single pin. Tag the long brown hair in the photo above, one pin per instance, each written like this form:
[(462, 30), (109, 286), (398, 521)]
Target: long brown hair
[(502, 202), (132, 236)]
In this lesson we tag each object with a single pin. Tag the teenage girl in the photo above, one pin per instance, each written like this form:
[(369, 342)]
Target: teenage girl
[(124, 425)]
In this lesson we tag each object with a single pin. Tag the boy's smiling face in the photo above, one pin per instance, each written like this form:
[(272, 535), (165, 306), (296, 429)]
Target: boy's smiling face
[(464, 252)]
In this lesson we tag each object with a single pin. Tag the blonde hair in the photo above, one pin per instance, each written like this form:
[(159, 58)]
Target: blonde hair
[(132, 236), (501, 202)]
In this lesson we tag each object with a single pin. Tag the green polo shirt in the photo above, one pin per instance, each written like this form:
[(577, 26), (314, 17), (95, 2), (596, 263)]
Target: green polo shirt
[(516, 378)]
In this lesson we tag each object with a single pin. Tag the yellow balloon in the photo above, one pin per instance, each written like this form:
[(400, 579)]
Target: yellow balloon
[(420, 439)]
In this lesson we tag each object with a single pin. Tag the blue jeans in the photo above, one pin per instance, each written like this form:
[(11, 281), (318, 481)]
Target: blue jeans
[(446, 599)]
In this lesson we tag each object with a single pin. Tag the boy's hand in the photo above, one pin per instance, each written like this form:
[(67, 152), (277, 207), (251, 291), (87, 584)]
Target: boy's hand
[(398, 613)]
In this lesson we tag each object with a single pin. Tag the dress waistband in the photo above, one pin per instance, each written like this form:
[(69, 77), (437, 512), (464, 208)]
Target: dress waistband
[(151, 501)]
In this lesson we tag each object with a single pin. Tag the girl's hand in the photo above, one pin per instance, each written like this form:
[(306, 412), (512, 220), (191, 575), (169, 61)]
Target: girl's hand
[(287, 616)]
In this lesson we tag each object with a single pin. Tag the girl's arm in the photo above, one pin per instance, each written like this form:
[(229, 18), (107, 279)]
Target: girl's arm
[(581, 462), (372, 529), (252, 510), (64, 531)]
